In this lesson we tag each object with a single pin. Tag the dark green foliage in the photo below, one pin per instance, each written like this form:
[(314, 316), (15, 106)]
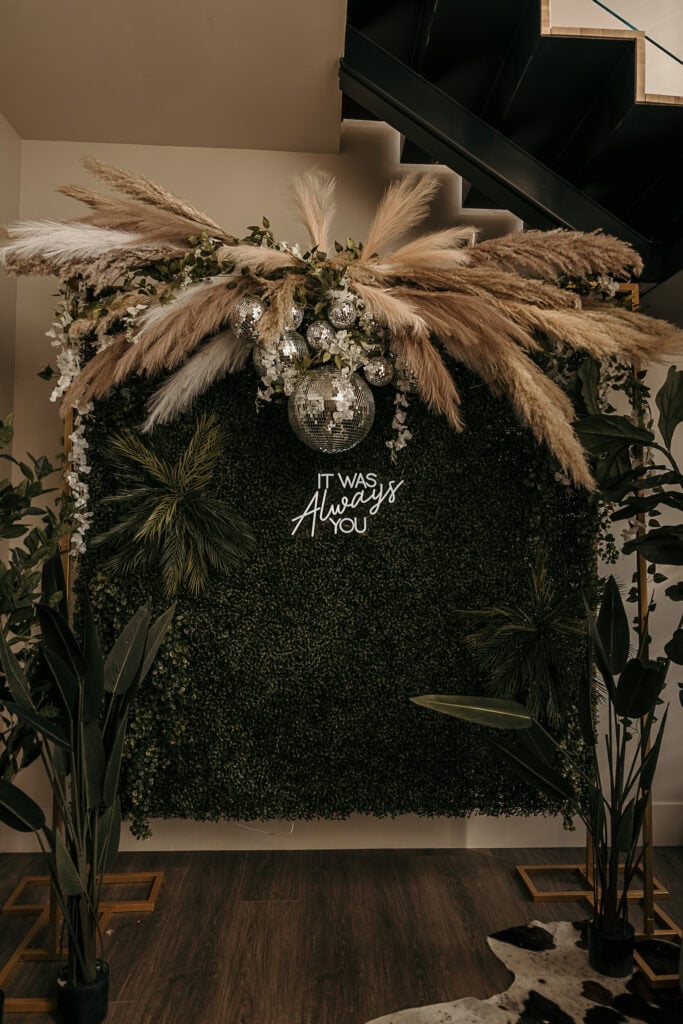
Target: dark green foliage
[(282, 689), (522, 650), (171, 520)]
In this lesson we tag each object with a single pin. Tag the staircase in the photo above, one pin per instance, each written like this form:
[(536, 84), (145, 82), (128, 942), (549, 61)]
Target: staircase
[(554, 124)]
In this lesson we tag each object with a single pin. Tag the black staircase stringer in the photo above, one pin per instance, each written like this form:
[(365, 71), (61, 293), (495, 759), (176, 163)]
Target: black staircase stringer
[(454, 136)]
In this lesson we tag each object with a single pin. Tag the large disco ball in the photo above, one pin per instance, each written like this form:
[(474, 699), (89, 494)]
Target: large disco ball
[(331, 411), (288, 350)]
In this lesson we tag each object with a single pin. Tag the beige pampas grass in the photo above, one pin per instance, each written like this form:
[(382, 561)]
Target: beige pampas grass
[(96, 378), (260, 258), (222, 355), (313, 194), (146, 191), (167, 334), (398, 314), (437, 387), (402, 207), (550, 254), (155, 225)]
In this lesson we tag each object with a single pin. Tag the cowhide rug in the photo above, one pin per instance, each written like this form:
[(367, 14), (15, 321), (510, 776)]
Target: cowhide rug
[(553, 985)]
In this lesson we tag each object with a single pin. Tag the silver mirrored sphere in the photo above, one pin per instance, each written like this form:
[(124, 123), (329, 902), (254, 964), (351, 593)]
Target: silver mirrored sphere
[(342, 313), (369, 323), (277, 356), (319, 335), (405, 378), (245, 317), (295, 316), (379, 371), (331, 411)]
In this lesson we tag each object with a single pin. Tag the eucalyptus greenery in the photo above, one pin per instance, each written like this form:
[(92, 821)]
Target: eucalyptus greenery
[(82, 725), (171, 516), (521, 649)]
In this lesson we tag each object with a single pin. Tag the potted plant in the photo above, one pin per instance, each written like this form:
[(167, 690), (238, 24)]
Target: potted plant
[(82, 725), (610, 801)]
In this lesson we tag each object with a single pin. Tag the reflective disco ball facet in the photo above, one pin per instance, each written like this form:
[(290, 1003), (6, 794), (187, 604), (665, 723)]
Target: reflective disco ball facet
[(342, 313), (245, 317), (379, 371), (331, 411), (276, 357), (319, 335), (405, 378), (369, 323), (295, 316)]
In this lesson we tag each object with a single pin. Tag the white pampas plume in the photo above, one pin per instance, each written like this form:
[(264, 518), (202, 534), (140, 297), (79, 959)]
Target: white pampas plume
[(397, 314), (313, 194), (404, 204), (62, 243), (226, 353)]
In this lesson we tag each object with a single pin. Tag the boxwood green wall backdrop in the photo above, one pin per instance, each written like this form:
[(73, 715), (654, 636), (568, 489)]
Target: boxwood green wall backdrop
[(283, 690)]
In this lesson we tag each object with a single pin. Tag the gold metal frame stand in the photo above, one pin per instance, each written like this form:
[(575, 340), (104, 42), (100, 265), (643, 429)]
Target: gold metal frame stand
[(46, 915)]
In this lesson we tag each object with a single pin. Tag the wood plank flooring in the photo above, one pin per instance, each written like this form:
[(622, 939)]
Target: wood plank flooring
[(310, 937)]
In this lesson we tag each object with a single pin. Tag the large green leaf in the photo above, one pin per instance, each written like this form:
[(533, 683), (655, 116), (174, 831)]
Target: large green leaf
[(93, 751), (47, 726), (638, 689), (669, 401), (589, 377), (14, 675), (18, 810), (649, 766), (599, 652), (491, 711), (624, 831), (58, 637), (67, 684), (54, 585), (674, 648), (663, 545), (537, 773), (109, 837), (111, 777), (68, 878), (155, 638), (634, 506), (93, 690), (604, 433), (675, 592), (613, 626), (125, 658)]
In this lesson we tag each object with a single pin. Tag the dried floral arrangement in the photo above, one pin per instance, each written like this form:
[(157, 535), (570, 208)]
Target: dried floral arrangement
[(311, 320)]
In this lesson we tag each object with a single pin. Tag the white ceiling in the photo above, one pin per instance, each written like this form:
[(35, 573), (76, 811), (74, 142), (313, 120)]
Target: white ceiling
[(247, 74)]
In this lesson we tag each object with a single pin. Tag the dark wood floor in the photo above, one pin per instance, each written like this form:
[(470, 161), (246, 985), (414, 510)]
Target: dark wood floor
[(333, 937)]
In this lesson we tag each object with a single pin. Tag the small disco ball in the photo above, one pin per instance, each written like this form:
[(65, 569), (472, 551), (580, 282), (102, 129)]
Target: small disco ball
[(405, 378), (276, 357), (342, 313), (245, 317), (295, 317), (319, 335), (369, 323), (378, 371), (331, 411)]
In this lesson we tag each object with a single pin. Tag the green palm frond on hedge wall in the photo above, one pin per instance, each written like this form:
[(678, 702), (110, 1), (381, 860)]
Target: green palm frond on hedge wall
[(521, 650), (171, 516)]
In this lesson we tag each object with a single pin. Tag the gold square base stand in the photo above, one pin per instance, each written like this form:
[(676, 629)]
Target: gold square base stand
[(26, 952)]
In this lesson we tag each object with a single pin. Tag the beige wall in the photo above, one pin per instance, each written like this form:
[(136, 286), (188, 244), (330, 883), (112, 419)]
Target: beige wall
[(10, 169), (237, 187)]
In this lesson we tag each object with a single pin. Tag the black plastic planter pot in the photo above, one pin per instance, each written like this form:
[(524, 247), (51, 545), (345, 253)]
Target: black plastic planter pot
[(611, 955), (84, 1004)]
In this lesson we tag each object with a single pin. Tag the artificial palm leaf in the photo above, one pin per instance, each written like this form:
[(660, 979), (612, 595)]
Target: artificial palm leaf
[(519, 649), (169, 516)]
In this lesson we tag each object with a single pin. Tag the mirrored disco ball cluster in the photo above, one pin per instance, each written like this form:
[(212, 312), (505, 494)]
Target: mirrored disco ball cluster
[(331, 411)]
